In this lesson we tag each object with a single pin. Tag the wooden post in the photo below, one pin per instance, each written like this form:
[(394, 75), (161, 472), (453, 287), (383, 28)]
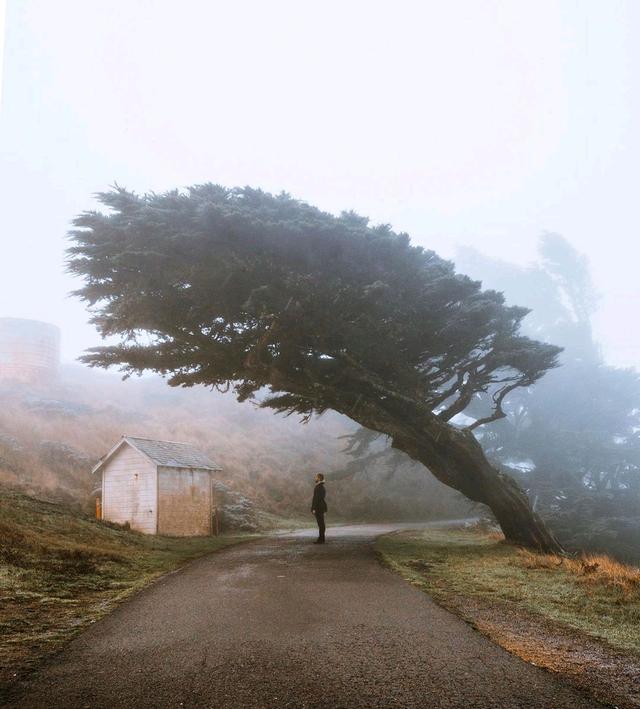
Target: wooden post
[(98, 508)]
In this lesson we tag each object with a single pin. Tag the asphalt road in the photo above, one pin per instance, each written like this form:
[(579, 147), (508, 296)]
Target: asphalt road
[(285, 623)]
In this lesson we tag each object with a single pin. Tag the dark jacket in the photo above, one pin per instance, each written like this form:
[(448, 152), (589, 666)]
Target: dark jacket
[(318, 503)]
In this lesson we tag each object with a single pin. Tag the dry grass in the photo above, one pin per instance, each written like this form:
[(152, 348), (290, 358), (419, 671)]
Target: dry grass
[(590, 570)]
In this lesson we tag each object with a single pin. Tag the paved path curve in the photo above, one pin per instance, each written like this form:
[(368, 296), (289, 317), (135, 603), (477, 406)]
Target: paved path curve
[(285, 623)]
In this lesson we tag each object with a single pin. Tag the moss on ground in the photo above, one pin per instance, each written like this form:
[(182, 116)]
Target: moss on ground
[(594, 595), (60, 570)]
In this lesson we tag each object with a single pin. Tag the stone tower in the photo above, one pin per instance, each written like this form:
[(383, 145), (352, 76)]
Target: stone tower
[(29, 351)]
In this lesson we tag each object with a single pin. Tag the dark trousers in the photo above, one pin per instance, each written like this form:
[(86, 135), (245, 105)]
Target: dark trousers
[(321, 525)]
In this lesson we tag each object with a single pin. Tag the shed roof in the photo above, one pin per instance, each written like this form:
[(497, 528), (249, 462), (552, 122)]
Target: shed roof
[(169, 454)]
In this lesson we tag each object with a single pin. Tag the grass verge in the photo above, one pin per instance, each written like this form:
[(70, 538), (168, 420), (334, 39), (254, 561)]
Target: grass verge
[(60, 571), (577, 617), (269, 522)]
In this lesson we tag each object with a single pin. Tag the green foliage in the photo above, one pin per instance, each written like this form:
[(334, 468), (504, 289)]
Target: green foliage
[(237, 287)]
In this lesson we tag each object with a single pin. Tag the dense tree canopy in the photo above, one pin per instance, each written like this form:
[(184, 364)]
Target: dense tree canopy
[(232, 285), (236, 287)]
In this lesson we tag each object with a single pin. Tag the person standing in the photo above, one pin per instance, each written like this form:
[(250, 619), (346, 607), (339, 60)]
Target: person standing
[(319, 506)]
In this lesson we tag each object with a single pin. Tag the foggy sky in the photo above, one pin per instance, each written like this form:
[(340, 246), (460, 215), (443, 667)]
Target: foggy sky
[(477, 122)]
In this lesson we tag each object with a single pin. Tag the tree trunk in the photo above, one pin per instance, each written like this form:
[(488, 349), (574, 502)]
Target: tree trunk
[(482, 482), (452, 455), (455, 457)]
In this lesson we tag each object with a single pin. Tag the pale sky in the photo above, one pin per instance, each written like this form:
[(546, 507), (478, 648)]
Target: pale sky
[(3, 10), (479, 122)]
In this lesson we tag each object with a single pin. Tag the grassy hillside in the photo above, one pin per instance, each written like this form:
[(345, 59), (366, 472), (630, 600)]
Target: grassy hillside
[(51, 436), (60, 570)]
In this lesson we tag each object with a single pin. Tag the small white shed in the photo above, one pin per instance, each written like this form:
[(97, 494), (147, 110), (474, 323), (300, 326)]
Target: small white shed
[(158, 487)]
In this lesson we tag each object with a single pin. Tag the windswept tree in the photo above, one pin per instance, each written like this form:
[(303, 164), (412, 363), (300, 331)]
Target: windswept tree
[(577, 432), (239, 288)]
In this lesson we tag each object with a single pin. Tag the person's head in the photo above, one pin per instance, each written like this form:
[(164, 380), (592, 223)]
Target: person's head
[(319, 478)]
